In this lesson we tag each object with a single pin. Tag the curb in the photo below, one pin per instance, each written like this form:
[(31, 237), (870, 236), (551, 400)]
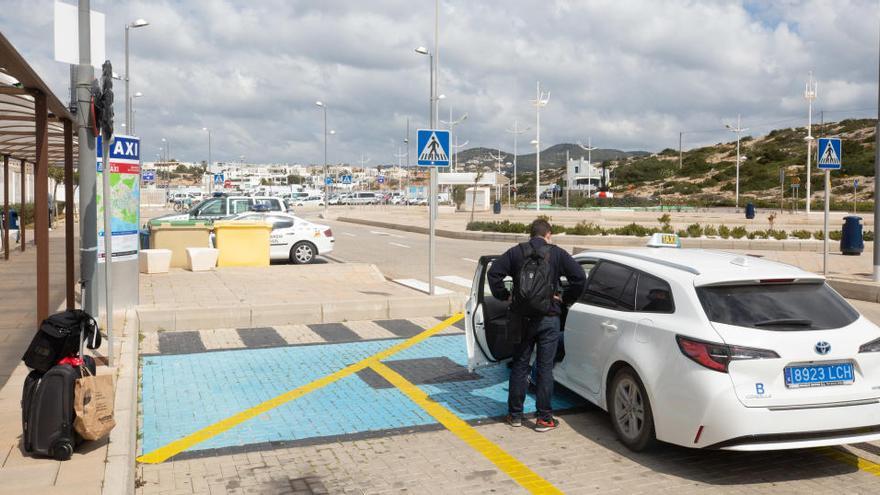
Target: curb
[(153, 319), (615, 240), (120, 466)]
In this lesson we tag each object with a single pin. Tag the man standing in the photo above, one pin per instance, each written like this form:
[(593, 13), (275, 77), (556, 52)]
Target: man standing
[(536, 306)]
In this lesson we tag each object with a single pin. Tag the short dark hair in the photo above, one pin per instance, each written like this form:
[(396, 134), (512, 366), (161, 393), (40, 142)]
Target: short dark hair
[(540, 228)]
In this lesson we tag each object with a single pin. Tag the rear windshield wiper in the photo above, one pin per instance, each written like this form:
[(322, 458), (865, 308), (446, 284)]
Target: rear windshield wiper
[(792, 322)]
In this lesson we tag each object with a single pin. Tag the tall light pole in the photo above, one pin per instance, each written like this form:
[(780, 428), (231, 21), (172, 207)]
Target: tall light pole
[(326, 186), (135, 24), (811, 91), (540, 101), (210, 163), (451, 125), (738, 130), (164, 149), (129, 128), (589, 149), (516, 131)]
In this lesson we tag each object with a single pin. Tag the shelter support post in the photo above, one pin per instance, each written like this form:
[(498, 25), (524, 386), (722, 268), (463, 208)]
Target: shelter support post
[(41, 204), (22, 180), (69, 268), (6, 206)]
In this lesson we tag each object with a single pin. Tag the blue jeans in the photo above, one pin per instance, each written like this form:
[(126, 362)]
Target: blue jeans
[(543, 332)]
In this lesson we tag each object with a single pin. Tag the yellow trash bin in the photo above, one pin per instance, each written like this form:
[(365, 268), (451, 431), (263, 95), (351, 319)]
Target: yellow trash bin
[(177, 235), (242, 243)]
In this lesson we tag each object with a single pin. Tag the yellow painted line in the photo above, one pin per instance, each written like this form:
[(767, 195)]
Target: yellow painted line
[(170, 450), (518, 471), (847, 457)]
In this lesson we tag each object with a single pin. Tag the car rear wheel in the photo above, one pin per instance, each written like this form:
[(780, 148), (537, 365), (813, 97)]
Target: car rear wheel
[(303, 253), (630, 410)]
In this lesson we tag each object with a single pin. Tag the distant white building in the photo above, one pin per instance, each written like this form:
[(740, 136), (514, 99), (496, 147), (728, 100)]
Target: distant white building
[(582, 175)]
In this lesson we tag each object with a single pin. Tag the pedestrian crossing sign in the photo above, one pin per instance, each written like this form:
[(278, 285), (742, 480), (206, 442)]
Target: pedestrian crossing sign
[(433, 147), (830, 154)]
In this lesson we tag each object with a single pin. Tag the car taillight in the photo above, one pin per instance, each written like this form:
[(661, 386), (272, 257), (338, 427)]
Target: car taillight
[(872, 346), (328, 233), (718, 356)]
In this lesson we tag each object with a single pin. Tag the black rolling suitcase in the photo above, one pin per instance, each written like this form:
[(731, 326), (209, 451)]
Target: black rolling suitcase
[(47, 396), (47, 410)]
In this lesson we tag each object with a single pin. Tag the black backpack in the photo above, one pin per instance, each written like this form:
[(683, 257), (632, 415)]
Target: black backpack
[(534, 287), (59, 337)]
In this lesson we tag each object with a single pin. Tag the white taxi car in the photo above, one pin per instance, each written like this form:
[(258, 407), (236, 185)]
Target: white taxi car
[(707, 349), (293, 238)]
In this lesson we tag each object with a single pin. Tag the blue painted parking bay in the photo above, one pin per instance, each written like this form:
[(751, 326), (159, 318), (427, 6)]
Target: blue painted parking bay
[(183, 393)]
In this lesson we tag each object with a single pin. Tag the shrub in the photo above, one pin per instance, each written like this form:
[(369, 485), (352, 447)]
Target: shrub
[(777, 234), (682, 233), (694, 230), (868, 235), (724, 231), (710, 231), (664, 219), (835, 235), (801, 234), (633, 229), (585, 228), (739, 232), (819, 235)]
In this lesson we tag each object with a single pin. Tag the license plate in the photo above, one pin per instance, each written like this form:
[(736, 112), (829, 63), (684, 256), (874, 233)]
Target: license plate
[(819, 375)]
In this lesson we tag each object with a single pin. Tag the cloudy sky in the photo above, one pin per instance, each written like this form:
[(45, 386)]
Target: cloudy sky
[(629, 74)]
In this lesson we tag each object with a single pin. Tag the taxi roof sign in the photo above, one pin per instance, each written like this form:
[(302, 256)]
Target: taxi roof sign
[(661, 239)]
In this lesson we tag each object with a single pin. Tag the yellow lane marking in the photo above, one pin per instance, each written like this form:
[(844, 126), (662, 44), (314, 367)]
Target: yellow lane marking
[(170, 450), (518, 471), (852, 459)]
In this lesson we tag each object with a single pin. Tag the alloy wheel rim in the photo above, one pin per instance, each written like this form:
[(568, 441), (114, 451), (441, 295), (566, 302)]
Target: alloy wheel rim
[(629, 408), (303, 253)]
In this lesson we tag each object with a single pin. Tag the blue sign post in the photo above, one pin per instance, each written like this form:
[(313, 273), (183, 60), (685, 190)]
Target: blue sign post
[(830, 158), (219, 179), (381, 179), (433, 147), (328, 181), (346, 179), (149, 176)]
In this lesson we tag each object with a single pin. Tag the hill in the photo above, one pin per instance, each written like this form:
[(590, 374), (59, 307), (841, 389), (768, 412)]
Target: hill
[(707, 174), (552, 157)]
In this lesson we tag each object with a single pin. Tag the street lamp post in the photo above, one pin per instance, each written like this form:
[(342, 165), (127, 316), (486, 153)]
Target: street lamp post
[(589, 149), (811, 91), (516, 131), (432, 189), (540, 101), (136, 24), (130, 127), (326, 186), (451, 124), (738, 130), (210, 163)]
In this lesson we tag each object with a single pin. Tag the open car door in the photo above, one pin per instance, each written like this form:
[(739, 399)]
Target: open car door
[(486, 321)]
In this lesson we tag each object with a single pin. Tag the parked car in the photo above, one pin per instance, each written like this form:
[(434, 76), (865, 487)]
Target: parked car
[(226, 206), (293, 238), (338, 199), (707, 349), (309, 201), (363, 198)]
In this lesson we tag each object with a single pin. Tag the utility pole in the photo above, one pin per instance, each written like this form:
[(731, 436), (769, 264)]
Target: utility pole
[(738, 130), (540, 101), (406, 141), (567, 179), (876, 202), (589, 149), (810, 94), (87, 165), (516, 131), (679, 150)]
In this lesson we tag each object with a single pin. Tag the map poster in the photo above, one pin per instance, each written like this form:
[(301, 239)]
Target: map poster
[(125, 197)]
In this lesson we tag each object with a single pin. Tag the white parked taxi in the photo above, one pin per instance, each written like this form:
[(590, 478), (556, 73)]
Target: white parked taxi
[(293, 238), (707, 349)]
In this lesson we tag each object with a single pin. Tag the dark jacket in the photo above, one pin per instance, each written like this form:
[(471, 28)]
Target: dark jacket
[(561, 263)]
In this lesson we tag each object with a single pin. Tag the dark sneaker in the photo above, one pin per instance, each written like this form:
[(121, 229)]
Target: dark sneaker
[(515, 421), (542, 425)]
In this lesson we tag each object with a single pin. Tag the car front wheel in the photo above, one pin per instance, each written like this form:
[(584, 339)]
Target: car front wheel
[(630, 410), (303, 253)]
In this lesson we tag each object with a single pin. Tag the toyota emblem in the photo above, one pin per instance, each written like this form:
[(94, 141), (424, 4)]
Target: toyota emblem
[(823, 347)]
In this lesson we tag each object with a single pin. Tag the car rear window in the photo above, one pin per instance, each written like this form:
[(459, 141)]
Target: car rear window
[(780, 307)]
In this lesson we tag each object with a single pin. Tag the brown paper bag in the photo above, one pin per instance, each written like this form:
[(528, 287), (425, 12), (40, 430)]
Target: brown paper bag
[(93, 398)]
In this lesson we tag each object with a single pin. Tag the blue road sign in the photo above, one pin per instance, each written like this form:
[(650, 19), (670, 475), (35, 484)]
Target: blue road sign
[(381, 179), (149, 175), (830, 154), (433, 147), (218, 179), (346, 179), (328, 180)]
